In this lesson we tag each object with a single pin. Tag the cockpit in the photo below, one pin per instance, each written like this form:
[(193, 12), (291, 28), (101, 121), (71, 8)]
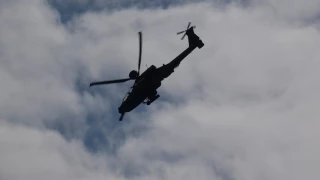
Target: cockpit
[(127, 94), (140, 79)]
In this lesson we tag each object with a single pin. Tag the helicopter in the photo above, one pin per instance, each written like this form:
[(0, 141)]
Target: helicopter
[(144, 89)]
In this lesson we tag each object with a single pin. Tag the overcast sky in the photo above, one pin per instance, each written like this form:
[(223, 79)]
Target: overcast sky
[(244, 107)]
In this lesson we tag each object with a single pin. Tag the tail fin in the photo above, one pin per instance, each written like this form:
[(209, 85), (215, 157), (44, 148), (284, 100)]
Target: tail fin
[(194, 40)]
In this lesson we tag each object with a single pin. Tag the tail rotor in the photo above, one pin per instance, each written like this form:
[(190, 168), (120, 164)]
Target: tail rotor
[(188, 27)]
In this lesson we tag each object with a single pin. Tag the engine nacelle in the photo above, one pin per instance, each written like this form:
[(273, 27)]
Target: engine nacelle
[(133, 74)]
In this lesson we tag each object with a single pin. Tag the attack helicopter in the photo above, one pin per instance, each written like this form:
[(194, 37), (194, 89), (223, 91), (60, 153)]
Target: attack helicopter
[(144, 89)]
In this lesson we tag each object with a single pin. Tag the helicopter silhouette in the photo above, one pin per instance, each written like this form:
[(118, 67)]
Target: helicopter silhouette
[(144, 89)]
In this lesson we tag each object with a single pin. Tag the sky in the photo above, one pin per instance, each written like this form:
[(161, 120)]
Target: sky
[(244, 107)]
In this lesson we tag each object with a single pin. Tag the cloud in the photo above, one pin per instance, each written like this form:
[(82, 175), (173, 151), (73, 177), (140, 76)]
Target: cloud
[(73, 8), (28, 153), (300, 11), (68, 10), (242, 107)]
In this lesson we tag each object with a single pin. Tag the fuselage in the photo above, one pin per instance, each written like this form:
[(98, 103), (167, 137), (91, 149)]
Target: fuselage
[(133, 99), (145, 86), (149, 81)]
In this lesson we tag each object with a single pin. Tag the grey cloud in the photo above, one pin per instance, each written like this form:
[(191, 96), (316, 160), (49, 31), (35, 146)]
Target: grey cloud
[(68, 10), (28, 153), (248, 110), (296, 11)]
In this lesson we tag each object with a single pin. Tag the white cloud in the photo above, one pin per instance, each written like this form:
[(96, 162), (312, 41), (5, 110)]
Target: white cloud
[(250, 95), (28, 153), (294, 10)]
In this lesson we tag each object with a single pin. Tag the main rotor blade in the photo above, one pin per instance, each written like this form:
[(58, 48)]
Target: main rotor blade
[(140, 51), (109, 82), (188, 25)]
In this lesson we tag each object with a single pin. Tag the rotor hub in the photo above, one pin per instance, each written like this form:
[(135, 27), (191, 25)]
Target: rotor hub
[(133, 74)]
